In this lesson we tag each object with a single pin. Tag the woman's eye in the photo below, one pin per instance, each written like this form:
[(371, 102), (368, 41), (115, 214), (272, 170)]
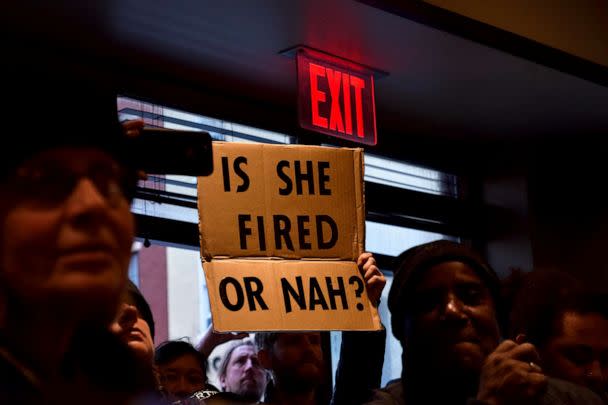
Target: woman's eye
[(472, 297), (578, 356)]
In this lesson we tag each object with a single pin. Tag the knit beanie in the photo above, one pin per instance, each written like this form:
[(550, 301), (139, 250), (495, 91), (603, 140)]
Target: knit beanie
[(136, 298)]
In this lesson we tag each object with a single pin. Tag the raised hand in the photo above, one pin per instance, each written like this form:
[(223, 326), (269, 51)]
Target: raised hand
[(374, 279), (212, 339), (511, 374)]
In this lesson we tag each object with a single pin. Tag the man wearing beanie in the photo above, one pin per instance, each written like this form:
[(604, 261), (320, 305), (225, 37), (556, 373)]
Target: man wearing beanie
[(444, 304)]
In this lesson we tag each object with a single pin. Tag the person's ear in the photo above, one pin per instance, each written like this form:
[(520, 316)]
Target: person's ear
[(264, 359)]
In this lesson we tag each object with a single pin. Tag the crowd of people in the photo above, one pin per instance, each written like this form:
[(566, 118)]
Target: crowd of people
[(74, 329)]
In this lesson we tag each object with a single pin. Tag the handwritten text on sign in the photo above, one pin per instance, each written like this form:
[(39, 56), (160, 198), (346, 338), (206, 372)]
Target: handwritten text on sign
[(282, 201), (288, 295), (269, 203)]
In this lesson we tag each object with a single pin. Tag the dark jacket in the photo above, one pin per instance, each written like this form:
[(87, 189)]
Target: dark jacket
[(359, 369), (18, 385), (98, 368), (558, 392)]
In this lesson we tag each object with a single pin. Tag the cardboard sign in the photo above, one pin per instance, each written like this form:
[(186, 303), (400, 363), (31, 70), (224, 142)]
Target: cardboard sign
[(253, 295), (267, 203), (336, 97), (282, 201)]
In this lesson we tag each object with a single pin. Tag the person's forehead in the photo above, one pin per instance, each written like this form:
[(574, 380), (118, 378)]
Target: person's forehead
[(185, 362), (243, 351), (291, 335), (448, 273), (587, 327), (69, 156)]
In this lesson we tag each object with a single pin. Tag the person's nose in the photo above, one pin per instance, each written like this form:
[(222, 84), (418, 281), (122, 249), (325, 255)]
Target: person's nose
[(453, 309), (249, 364), (127, 317), (183, 388), (85, 198), (311, 346), (306, 343)]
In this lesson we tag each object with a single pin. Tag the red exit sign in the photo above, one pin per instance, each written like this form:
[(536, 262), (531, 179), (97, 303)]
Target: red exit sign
[(336, 97)]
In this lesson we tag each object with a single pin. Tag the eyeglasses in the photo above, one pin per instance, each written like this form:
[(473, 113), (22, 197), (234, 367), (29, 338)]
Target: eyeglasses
[(47, 183)]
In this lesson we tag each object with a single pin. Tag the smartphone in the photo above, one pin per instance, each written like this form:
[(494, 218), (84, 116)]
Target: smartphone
[(169, 151)]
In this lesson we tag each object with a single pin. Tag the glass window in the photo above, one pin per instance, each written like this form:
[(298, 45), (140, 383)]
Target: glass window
[(391, 368), (172, 278), (391, 240), (398, 174), (182, 189)]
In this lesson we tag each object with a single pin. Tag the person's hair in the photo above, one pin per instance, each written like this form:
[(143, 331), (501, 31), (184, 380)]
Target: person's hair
[(265, 340), (535, 297), (171, 350), (71, 109), (544, 298), (550, 324), (90, 121), (136, 298), (411, 266), (589, 303), (228, 355)]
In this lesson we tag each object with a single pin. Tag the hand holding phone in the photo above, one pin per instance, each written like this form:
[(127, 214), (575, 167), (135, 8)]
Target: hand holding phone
[(168, 151)]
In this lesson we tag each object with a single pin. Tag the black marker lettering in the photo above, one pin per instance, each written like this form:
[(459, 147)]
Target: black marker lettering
[(240, 299), (298, 296), (288, 185), (254, 294)]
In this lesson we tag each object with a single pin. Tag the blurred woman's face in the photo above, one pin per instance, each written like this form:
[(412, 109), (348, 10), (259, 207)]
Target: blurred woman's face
[(579, 351), (67, 231), (134, 331), (453, 321)]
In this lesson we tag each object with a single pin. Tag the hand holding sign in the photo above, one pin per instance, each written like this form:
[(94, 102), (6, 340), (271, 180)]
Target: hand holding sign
[(374, 279), (211, 340)]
